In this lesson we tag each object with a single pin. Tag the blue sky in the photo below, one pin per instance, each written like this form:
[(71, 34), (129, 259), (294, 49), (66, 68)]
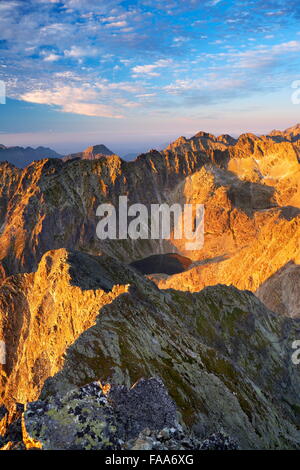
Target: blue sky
[(136, 74)]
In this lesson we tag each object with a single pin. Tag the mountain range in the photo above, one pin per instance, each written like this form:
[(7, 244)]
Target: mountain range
[(216, 324), (23, 156)]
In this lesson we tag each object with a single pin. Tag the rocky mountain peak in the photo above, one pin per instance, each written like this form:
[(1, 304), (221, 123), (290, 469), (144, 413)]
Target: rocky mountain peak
[(226, 139), (247, 137), (94, 150), (293, 128), (204, 135)]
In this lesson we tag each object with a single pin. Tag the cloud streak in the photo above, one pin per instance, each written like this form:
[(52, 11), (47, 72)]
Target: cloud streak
[(72, 100)]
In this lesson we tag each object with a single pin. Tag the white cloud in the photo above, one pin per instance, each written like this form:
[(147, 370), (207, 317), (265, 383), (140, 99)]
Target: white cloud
[(53, 29), (6, 6), (263, 56), (202, 84), (127, 103), (67, 75), (275, 13), (78, 100), (146, 95), (150, 69), (91, 109), (213, 3), (291, 46), (105, 86), (90, 5), (78, 52), (51, 58), (180, 39), (116, 24)]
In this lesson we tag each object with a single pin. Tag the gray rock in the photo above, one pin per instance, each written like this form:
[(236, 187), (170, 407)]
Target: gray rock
[(146, 405), (88, 419), (218, 441), (140, 418)]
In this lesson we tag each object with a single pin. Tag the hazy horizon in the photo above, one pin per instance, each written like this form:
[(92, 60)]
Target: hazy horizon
[(129, 147)]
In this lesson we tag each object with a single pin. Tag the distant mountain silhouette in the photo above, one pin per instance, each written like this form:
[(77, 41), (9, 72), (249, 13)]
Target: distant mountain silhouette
[(21, 156)]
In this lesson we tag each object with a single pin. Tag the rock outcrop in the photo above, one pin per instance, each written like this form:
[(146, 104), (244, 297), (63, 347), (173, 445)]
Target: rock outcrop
[(141, 418), (281, 292), (87, 418)]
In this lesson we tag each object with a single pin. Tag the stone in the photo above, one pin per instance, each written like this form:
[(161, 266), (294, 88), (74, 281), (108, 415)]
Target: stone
[(83, 420)]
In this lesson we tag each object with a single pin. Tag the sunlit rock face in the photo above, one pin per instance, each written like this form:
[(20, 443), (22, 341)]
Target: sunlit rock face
[(291, 134), (224, 358), (252, 219)]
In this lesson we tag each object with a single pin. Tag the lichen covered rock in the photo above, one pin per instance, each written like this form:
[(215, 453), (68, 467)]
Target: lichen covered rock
[(87, 418)]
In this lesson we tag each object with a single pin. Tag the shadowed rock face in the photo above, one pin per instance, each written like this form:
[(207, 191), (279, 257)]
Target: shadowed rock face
[(224, 358)]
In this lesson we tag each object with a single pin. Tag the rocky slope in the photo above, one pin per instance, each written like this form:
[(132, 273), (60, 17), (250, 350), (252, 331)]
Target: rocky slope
[(224, 358)]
